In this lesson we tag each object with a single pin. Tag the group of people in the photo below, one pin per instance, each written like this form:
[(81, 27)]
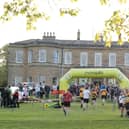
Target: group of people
[(9, 99), (104, 93), (87, 93)]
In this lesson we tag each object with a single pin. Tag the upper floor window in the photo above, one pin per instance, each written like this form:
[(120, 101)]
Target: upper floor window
[(42, 55), (30, 56), (55, 56), (68, 58), (19, 56), (126, 59), (112, 59), (83, 59), (98, 59)]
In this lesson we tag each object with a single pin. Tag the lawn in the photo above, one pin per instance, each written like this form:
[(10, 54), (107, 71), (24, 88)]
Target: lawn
[(33, 116)]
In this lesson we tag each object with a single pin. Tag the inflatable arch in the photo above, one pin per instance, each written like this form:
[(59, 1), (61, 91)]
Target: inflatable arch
[(94, 73)]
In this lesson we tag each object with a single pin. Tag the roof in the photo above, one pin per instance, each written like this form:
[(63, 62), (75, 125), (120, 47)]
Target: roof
[(57, 42)]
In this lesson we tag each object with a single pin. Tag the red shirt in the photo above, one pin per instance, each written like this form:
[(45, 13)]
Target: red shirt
[(67, 97), (16, 94)]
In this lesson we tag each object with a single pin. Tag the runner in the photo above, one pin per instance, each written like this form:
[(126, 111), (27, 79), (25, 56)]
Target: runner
[(121, 103), (67, 98), (103, 95), (81, 95), (86, 96), (93, 97), (126, 102)]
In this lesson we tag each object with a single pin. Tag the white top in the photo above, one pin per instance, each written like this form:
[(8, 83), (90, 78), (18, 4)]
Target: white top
[(86, 94), (37, 88), (121, 98), (54, 87)]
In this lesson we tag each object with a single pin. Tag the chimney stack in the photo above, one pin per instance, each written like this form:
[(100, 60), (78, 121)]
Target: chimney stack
[(78, 35), (49, 35), (101, 37)]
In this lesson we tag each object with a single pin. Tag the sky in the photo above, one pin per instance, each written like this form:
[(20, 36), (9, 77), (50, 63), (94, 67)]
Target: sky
[(89, 21)]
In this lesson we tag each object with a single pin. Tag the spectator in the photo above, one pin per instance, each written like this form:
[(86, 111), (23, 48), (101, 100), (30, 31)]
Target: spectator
[(16, 99), (47, 91)]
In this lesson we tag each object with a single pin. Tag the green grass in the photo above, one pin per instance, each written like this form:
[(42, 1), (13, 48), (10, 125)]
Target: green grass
[(33, 116)]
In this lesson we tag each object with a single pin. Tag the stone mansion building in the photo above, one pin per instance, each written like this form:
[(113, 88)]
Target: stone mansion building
[(48, 59)]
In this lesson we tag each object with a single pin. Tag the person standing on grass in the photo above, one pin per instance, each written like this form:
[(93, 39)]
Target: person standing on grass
[(16, 99), (86, 97), (67, 98)]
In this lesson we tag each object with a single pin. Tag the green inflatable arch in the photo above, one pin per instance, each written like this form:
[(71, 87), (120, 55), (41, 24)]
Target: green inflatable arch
[(94, 73)]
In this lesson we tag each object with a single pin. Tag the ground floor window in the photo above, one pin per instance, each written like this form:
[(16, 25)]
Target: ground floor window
[(30, 79), (54, 80), (18, 79), (41, 78)]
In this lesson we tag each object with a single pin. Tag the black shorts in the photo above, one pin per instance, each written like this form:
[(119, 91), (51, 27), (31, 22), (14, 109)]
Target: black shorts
[(103, 97), (86, 100), (81, 98), (67, 104), (127, 106), (94, 99), (121, 105), (62, 103)]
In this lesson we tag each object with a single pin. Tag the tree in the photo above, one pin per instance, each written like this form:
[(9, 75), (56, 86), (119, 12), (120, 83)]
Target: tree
[(118, 23), (29, 9), (3, 66)]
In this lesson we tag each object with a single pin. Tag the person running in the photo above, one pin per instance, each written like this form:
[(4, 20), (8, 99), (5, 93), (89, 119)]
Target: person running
[(93, 96), (81, 95), (126, 102), (67, 98), (103, 95), (86, 96), (121, 103)]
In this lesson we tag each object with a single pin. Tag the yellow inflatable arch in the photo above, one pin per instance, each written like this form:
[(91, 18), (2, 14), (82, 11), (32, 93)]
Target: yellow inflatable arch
[(93, 73)]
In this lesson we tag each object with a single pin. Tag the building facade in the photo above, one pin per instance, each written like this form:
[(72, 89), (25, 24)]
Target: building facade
[(48, 59)]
